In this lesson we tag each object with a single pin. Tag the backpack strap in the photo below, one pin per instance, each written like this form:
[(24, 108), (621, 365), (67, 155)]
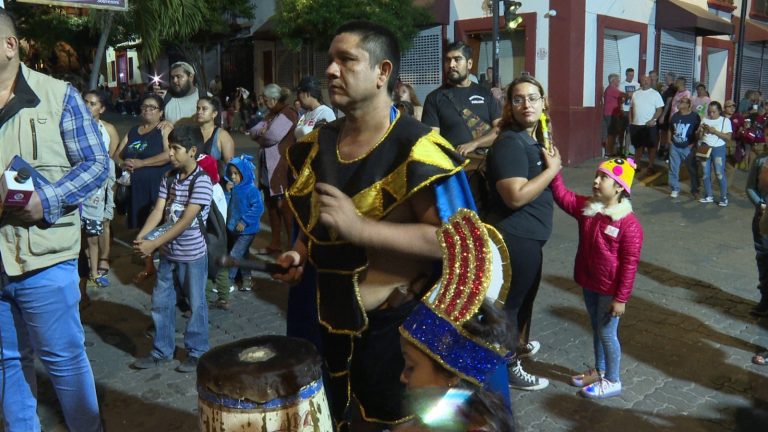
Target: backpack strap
[(199, 216), (477, 127)]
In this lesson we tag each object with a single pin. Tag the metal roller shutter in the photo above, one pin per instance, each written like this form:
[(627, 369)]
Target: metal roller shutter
[(754, 69), (611, 59), (677, 54), (421, 66)]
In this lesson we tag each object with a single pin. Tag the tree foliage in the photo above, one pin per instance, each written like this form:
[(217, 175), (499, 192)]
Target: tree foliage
[(299, 22)]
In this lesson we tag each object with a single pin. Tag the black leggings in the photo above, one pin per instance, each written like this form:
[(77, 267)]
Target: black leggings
[(526, 259)]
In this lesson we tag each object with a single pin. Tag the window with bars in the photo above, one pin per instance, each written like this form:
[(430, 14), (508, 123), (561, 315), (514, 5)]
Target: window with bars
[(422, 64), (677, 54)]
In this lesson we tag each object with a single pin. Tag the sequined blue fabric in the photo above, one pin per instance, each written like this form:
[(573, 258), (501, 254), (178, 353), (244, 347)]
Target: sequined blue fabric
[(454, 350)]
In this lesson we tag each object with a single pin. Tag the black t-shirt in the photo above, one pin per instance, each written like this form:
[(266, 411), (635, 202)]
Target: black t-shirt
[(516, 154), (441, 113), (684, 128)]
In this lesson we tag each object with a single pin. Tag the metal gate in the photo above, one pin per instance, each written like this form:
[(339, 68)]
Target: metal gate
[(677, 54), (421, 66), (611, 58)]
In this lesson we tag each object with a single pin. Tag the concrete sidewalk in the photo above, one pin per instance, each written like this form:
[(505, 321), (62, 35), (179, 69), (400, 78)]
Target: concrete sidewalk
[(687, 337)]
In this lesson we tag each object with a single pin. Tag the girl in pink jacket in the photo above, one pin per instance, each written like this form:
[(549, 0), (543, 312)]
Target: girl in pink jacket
[(610, 239)]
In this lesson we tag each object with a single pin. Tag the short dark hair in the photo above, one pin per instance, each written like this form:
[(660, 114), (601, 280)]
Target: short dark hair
[(465, 49), (99, 95), (155, 97), (186, 136), (629, 70), (9, 21), (379, 42)]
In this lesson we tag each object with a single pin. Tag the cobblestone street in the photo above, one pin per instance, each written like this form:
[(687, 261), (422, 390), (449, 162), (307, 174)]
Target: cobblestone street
[(687, 337)]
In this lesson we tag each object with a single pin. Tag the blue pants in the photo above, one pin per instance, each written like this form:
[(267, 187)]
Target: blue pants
[(604, 334), (239, 250), (718, 159), (677, 157), (191, 276), (39, 315)]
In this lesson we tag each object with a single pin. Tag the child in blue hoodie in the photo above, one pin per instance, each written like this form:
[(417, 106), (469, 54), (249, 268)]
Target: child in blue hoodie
[(243, 213)]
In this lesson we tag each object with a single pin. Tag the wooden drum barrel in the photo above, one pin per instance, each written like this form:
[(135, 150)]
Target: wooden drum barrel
[(266, 383)]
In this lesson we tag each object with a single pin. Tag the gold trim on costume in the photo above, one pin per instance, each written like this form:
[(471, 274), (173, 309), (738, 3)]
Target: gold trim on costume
[(341, 160)]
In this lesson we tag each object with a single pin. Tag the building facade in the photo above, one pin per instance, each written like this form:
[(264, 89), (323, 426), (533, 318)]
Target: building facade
[(570, 46)]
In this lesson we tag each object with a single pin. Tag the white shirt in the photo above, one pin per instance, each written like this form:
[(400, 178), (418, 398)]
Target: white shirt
[(628, 88), (720, 124), (644, 104), (310, 119), (183, 107)]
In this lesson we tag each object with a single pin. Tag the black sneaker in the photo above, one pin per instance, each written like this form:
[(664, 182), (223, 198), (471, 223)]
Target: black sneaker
[(149, 362), (761, 310), (522, 380), (188, 365)]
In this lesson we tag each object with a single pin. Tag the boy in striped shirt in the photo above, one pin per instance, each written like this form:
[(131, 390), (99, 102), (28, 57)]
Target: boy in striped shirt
[(182, 251)]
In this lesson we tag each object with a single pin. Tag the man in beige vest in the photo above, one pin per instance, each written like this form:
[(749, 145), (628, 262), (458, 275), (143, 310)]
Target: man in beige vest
[(45, 122)]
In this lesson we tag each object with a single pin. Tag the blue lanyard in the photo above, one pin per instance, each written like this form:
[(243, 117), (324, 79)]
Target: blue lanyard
[(392, 113)]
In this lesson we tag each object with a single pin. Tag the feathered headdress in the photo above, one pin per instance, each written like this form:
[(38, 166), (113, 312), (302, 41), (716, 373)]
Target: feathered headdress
[(475, 268)]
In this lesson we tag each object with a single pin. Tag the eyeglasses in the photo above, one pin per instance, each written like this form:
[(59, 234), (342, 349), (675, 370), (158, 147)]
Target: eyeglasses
[(149, 107), (531, 98)]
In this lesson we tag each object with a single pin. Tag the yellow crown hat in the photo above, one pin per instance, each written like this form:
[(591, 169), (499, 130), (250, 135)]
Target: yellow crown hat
[(621, 170)]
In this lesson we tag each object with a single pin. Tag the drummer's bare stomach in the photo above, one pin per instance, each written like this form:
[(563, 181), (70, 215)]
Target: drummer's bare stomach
[(392, 278)]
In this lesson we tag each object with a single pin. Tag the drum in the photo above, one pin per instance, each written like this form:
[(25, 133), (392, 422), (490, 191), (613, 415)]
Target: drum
[(267, 383)]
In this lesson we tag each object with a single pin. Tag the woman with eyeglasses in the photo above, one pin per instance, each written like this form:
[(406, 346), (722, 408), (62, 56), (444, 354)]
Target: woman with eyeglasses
[(521, 209), (144, 154)]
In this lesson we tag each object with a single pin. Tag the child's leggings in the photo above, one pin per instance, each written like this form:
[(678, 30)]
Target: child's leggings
[(605, 334)]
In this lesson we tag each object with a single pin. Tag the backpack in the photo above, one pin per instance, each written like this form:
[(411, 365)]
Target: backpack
[(215, 231)]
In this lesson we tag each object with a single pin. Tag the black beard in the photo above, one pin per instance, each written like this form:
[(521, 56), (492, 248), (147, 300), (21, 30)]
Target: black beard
[(182, 92), (456, 81)]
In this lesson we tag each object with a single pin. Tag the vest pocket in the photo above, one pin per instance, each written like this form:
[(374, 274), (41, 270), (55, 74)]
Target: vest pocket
[(62, 236)]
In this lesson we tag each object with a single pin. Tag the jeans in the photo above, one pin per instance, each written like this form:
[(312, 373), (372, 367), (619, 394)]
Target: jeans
[(604, 334), (718, 158), (761, 253), (677, 157), (191, 276), (39, 315), (239, 250)]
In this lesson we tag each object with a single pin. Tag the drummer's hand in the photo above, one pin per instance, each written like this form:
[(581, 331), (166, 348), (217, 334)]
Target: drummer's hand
[(339, 214), (292, 261)]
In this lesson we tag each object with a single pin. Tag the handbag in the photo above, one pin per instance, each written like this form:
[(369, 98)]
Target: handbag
[(704, 150)]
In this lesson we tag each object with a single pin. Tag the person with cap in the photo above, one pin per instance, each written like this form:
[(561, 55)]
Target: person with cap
[(180, 100), (456, 341), (610, 240), (310, 97)]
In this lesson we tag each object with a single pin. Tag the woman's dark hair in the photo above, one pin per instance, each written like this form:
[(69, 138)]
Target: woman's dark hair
[(310, 85), (213, 101), (406, 107), (487, 410), (98, 96), (155, 97), (508, 120), (411, 94)]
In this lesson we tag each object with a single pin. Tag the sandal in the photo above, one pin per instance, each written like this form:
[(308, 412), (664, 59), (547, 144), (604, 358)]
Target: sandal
[(142, 276), (761, 358), (101, 280)]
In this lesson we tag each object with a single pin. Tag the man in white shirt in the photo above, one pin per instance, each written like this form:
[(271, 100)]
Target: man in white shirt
[(645, 110), (181, 98), (628, 86)]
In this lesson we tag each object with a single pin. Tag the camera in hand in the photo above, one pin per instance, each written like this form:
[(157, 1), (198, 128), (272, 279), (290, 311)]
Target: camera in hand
[(16, 188)]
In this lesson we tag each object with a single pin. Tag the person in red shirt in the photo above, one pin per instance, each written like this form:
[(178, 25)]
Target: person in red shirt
[(611, 112)]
